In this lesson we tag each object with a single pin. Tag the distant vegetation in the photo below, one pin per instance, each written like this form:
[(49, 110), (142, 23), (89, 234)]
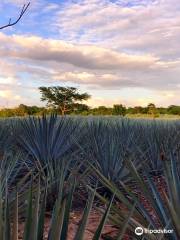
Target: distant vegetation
[(82, 109), (69, 101)]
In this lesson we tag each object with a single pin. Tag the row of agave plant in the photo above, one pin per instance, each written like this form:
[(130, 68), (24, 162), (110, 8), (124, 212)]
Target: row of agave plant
[(115, 162)]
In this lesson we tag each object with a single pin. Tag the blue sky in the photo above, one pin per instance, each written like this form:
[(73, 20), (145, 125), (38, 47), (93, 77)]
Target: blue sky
[(118, 51)]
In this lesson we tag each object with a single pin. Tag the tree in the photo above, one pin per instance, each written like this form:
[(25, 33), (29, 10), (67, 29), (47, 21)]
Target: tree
[(119, 109), (173, 109), (139, 110), (24, 110), (152, 110), (10, 23), (65, 99), (21, 110), (80, 108), (102, 110)]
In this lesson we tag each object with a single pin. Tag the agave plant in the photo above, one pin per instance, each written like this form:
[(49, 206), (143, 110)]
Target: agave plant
[(5, 137), (165, 205), (34, 227), (46, 140), (119, 154), (154, 136), (8, 180), (106, 142), (162, 211)]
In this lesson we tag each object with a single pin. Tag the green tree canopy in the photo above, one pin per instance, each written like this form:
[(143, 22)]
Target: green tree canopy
[(152, 110), (65, 99), (119, 109), (173, 109)]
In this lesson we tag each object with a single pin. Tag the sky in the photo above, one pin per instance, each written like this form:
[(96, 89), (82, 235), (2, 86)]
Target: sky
[(119, 51)]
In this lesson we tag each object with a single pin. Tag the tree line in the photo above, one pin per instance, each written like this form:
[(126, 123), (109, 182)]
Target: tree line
[(117, 110), (69, 101)]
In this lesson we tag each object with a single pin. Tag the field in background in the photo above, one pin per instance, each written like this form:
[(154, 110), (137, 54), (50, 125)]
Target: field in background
[(161, 116)]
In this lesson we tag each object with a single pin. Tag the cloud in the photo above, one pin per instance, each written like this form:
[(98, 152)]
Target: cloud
[(83, 56), (136, 26), (5, 94), (9, 97), (89, 65)]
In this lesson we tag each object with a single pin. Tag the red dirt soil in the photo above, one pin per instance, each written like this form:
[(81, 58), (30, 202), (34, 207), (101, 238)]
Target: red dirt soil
[(93, 222)]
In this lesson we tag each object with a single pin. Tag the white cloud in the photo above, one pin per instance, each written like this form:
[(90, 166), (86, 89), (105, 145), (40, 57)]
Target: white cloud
[(83, 56), (138, 26), (88, 65)]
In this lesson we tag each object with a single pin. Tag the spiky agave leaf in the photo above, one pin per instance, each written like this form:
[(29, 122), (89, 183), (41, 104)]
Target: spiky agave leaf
[(15, 219), (83, 223), (105, 145), (47, 138), (166, 216)]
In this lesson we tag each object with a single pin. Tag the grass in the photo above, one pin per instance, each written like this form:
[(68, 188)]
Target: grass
[(148, 116)]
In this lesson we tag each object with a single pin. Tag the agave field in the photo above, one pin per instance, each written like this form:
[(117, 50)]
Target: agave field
[(125, 170)]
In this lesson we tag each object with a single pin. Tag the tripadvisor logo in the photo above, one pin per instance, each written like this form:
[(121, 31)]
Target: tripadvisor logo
[(139, 231)]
